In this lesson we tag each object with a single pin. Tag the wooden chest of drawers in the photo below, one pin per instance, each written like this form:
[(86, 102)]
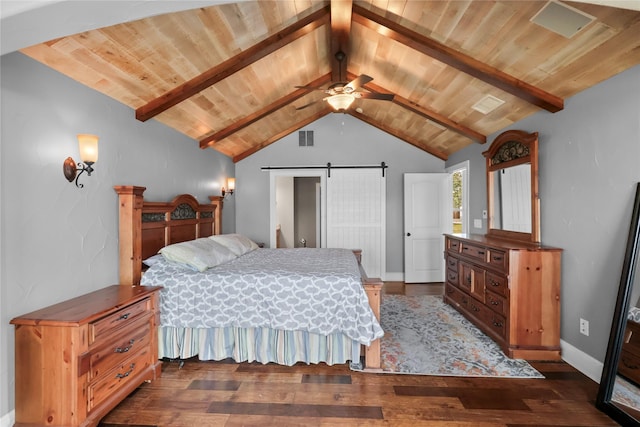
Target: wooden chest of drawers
[(510, 290), (75, 361)]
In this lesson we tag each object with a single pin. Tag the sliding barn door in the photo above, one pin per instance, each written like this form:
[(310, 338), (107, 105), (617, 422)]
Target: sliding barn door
[(356, 215)]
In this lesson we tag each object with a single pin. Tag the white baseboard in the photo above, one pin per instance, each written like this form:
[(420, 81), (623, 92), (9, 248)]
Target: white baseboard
[(394, 277), (581, 361), (8, 419)]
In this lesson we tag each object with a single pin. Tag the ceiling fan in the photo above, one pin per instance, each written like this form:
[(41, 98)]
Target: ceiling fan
[(342, 94)]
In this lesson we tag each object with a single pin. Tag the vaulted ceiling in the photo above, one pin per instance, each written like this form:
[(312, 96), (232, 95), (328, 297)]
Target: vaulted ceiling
[(234, 76)]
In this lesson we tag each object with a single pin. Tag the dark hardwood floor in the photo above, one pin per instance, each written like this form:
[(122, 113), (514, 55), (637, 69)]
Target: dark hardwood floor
[(231, 394)]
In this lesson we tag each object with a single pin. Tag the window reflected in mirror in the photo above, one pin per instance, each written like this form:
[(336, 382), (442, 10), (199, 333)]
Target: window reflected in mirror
[(512, 198)]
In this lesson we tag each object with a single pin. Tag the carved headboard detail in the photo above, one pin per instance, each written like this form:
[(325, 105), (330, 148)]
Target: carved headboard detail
[(146, 227)]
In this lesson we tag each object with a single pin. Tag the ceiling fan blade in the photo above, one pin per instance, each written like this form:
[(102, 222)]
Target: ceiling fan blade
[(381, 96), (306, 105), (310, 87), (354, 84)]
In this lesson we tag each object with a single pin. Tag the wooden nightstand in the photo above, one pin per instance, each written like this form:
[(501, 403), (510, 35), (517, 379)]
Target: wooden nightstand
[(76, 360)]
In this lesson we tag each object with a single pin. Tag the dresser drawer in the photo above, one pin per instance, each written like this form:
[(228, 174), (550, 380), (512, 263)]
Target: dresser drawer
[(495, 322), (498, 259), (476, 252), (120, 347), (496, 283), (457, 296), (452, 264), (629, 366), (496, 303), (453, 245), (452, 277), (120, 318), (123, 373)]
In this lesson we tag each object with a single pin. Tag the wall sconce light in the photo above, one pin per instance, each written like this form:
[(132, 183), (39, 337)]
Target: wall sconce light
[(88, 154), (231, 185)]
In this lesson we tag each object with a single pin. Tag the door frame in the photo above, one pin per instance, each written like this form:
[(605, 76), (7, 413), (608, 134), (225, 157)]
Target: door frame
[(464, 212), (273, 174)]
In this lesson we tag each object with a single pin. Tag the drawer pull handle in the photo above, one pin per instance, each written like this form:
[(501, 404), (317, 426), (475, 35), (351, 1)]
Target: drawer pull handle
[(474, 308), (126, 374), (124, 316), (625, 363), (469, 279), (497, 324), (494, 283), (124, 349), (481, 252), (494, 302), (497, 258)]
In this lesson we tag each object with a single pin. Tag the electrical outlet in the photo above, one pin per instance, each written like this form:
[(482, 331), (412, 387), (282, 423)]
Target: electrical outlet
[(584, 327), (477, 223), (484, 214)]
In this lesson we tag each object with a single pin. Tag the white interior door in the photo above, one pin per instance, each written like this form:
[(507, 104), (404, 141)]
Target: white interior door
[(356, 215), (427, 211)]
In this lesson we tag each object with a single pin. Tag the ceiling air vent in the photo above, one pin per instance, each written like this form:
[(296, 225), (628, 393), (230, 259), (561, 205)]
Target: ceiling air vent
[(562, 19), (487, 104)]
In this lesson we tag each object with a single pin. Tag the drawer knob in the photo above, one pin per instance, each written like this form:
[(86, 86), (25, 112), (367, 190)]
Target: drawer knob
[(494, 302), (474, 308), (124, 316), (126, 374), (497, 324), (494, 283), (124, 349)]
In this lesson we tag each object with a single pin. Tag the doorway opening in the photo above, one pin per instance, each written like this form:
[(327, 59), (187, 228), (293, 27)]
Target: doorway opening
[(297, 209)]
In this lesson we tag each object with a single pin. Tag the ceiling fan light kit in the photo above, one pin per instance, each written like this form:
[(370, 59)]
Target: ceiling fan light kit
[(340, 102)]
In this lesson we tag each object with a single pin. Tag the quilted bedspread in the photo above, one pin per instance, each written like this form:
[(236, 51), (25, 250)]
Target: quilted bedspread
[(307, 289)]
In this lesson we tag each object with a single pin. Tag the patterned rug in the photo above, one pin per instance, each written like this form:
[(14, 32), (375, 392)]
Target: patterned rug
[(424, 336)]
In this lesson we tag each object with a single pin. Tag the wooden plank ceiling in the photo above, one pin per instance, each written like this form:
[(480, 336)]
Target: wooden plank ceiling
[(232, 76)]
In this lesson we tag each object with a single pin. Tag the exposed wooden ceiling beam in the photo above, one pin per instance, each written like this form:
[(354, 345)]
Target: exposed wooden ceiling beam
[(398, 134), (211, 140), (282, 134), (426, 113), (458, 60), (340, 34), (234, 64)]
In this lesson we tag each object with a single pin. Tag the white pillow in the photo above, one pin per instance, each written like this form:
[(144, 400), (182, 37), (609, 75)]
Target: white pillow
[(236, 243), (200, 254)]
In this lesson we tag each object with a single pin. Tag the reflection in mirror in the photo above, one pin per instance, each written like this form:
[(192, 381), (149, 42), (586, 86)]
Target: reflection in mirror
[(619, 393), (512, 187), (512, 198)]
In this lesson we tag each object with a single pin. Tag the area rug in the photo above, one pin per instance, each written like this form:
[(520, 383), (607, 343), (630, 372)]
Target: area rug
[(425, 336)]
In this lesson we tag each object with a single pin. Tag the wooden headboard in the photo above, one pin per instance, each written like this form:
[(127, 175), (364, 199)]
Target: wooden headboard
[(145, 227)]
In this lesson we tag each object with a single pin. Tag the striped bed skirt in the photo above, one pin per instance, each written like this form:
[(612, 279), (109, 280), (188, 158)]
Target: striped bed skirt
[(257, 345)]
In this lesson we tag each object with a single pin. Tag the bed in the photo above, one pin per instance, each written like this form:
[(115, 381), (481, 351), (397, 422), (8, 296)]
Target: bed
[(200, 313)]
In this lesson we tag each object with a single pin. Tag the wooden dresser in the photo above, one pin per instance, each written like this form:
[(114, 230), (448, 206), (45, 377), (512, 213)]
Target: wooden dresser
[(76, 360), (510, 290)]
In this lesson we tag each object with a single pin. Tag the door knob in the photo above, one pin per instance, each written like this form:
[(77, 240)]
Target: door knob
[(408, 234)]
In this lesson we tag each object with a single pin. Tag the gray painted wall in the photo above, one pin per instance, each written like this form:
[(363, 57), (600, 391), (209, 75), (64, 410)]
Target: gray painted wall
[(589, 167), (341, 140), (59, 241)]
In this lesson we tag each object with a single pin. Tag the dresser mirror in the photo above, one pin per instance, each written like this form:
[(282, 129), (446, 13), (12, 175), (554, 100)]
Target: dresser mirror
[(512, 187), (619, 392)]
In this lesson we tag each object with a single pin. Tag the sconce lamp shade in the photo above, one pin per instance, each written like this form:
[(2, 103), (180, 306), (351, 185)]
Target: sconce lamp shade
[(230, 188), (341, 101), (88, 145)]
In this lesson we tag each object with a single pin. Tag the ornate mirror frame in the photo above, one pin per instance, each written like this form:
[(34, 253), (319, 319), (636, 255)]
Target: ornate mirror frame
[(509, 149), (604, 400)]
